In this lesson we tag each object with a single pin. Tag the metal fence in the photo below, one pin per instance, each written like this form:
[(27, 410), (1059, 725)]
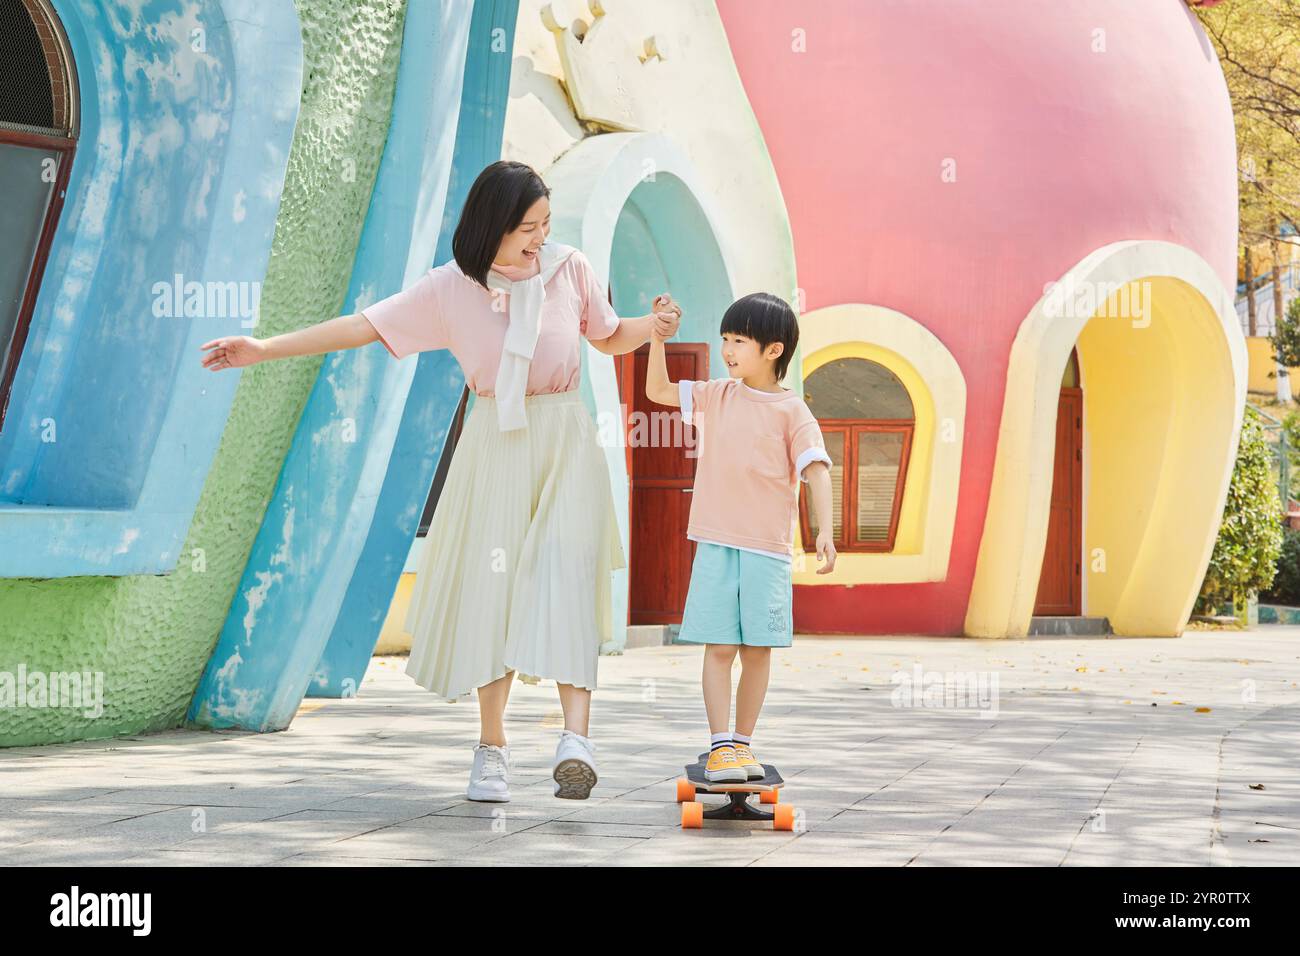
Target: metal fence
[(1281, 451)]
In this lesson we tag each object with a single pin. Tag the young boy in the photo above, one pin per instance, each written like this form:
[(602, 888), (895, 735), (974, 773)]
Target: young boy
[(756, 439)]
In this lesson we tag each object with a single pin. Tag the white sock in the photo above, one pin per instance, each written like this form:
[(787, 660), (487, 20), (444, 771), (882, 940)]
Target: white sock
[(719, 740), (741, 739)]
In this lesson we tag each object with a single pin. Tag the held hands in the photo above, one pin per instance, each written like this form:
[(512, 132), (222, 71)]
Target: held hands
[(667, 317), (826, 551), (235, 351)]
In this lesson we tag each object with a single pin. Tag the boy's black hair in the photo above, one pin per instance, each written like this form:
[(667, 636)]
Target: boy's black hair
[(765, 318), (496, 205)]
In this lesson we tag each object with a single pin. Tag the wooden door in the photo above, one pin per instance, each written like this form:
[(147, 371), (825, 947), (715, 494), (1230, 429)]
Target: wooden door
[(1058, 582), (661, 474)]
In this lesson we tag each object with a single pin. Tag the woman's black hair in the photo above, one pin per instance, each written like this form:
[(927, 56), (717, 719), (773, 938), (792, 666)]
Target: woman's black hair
[(497, 203), (765, 318)]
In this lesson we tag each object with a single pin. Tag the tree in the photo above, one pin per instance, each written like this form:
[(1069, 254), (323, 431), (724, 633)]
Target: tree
[(1258, 42), (1250, 537)]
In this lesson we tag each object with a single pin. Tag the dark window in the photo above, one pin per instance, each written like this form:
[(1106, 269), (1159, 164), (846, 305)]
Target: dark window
[(867, 419), (37, 139)]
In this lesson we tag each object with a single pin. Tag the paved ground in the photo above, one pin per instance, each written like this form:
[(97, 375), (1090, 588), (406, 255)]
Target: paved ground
[(1076, 767)]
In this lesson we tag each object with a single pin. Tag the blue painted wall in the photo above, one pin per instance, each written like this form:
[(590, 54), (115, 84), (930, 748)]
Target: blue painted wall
[(438, 382), (320, 517), (113, 423)]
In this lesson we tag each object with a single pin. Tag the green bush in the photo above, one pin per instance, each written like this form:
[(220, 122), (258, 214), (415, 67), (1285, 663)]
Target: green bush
[(1250, 536), (1291, 428), (1286, 338), (1286, 586)]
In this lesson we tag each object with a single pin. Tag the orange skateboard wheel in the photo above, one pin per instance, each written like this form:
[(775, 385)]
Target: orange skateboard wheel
[(685, 790), (783, 816), (692, 815), (770, 796)]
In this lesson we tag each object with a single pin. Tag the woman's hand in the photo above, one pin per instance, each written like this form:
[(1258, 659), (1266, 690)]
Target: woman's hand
[(344, 332), (235, 351), (826, 551), (664, 303)]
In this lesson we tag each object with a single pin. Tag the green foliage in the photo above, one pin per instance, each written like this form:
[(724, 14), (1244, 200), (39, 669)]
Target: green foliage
[(1291, 429), (1286, 339), (1286, 586), (1250, 537)]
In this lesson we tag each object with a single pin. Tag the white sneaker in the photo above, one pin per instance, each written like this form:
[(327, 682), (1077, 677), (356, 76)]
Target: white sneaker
[(489, 777), (575, 766)]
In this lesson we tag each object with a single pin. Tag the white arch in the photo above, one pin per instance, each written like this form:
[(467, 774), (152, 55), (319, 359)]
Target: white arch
[(1172, 540), (590, 185)]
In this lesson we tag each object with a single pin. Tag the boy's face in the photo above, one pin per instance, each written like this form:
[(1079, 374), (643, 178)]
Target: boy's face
[(745, 358)]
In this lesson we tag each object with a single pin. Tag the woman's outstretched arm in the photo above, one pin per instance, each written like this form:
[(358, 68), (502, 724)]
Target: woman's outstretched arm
[(237, 351)]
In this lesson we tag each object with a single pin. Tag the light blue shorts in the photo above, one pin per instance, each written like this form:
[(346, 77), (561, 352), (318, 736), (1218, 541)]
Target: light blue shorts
[(737, 597)]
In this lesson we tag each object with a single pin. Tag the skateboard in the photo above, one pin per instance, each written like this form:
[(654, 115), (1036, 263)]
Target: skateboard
[(737, 807)]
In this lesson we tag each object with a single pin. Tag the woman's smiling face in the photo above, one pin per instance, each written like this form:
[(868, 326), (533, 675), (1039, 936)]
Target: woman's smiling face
[(519, 247)]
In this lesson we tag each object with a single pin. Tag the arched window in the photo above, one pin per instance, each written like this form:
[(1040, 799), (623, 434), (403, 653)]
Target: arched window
[(867, 419), (38, 130)]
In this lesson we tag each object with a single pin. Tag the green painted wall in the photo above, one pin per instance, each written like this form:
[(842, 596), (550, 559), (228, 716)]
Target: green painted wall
[(151, 636)]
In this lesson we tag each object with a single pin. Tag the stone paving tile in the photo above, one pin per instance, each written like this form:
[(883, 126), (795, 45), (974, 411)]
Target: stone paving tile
[(325, 859), (874, 821), (21, 830), (552, 848), (514, 810), (278, 836), (413, 842), (627, 811), (376, 817), (62, 851), (146, 826), (718, 844), (385, 803), (837, 849), (171, 856), (640, 830), (379, 779)]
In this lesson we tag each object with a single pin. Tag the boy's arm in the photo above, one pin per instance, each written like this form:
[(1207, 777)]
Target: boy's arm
[(657, 386), (818, 475)]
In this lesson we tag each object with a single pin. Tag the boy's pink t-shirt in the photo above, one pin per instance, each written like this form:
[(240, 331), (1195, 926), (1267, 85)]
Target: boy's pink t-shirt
[(445, 310), (752, 451)]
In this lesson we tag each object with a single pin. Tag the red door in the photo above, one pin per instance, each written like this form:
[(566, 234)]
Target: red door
[(661, 475), (1058, 582)]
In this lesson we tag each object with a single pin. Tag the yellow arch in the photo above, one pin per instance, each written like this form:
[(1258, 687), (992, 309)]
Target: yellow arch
[(1164, 372), (934, 380)]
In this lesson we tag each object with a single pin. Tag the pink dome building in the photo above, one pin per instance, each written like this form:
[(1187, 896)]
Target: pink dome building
[(1015, 234)]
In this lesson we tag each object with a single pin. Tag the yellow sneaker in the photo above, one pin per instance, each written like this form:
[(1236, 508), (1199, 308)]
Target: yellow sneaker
[(723, 768), (749, 763)]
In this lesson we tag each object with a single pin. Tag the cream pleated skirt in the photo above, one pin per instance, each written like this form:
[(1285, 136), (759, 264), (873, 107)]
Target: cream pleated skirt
[(515, 573)]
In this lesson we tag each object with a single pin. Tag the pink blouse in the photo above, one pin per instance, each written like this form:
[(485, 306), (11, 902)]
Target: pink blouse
[(445, 310)]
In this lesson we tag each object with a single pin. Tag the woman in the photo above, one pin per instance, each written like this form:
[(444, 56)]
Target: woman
[(515, 575)]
